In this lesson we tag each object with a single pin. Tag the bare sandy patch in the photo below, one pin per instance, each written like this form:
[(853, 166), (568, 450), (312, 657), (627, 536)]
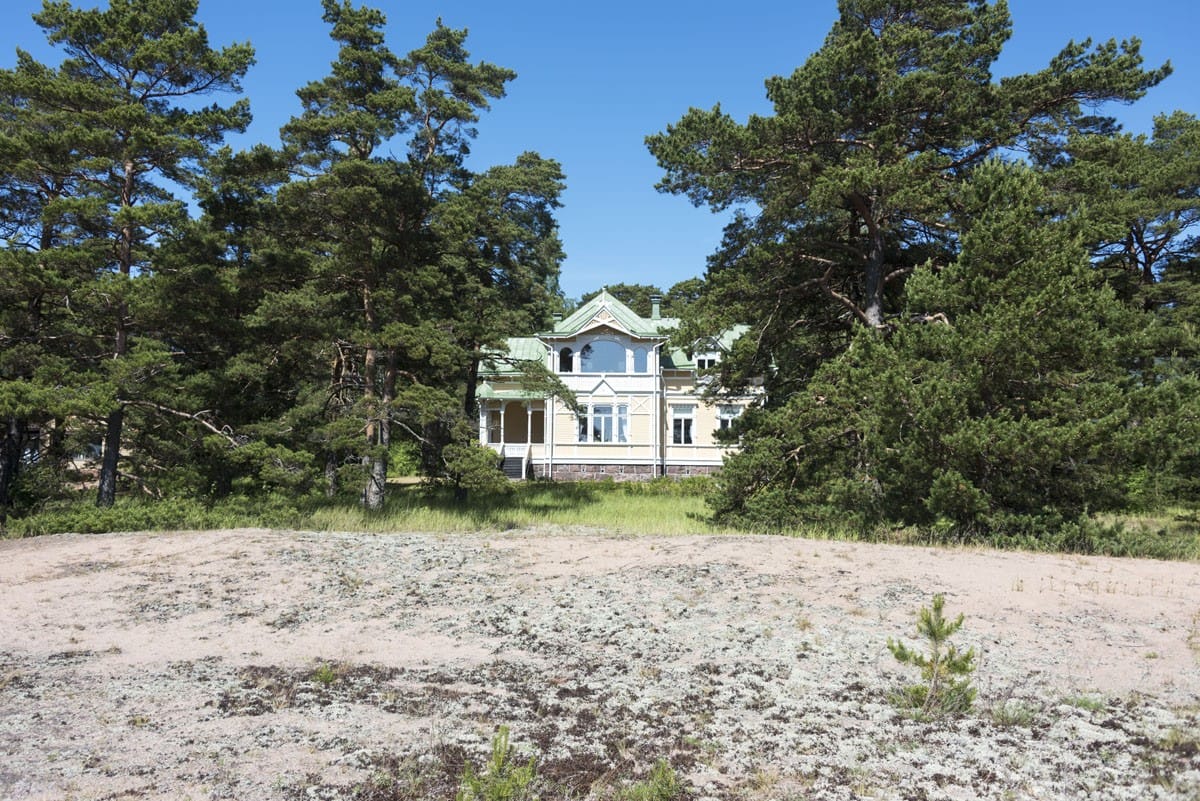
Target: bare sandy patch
[(263, 664)]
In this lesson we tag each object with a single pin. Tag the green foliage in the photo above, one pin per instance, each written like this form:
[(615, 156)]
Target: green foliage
[(1014, 713), (171, 514), (500, 779), (666, 487), (940, 358), (95, 208), (475, 468), (855, 173), (661, 785), (937, 347), (946, 689), (1086, 702), (659, 509), (425, 266), (1001, 409), (673, 303), (325, 675)]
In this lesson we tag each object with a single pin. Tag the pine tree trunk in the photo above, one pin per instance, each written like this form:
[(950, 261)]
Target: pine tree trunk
[(106, 493), (376, 482), (377, 416), (331, 474), (470, 401), (376, 459), (10, 463), (873, 275)]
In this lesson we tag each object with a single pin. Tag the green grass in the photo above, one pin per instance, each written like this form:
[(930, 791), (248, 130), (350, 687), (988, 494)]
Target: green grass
[(655, 507), (661, 506)]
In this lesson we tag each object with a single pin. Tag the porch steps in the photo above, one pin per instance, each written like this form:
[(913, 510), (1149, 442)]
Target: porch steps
[(514, 467)]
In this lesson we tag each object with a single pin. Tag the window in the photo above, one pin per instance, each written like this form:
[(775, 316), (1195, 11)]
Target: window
[(564, 360), (682, 418), (606, 422), (707, 361), (495, 426), (640, 364), (602, 356), (726, 415)]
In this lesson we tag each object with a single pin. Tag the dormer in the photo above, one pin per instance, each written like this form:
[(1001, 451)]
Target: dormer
[(604, 336), (707, 353)]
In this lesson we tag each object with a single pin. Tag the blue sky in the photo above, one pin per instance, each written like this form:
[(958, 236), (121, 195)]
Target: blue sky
[(594, 79)]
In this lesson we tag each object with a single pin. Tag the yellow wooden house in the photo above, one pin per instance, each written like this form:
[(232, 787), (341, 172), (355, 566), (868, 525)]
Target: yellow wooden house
[(643, 412)]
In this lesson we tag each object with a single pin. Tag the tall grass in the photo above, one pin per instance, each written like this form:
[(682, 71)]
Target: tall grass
[(655, 507), (662, 506), (646, 508)]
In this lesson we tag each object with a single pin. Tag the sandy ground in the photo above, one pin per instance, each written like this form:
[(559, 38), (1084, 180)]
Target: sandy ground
[(293, 665)]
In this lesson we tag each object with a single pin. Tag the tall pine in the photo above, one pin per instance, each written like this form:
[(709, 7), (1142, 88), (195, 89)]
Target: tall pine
[(126, 95)]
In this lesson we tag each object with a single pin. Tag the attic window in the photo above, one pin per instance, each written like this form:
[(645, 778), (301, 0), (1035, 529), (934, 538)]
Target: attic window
[(706, 360)]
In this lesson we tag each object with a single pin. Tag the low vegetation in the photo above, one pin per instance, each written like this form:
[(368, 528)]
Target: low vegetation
[(658, 507), (945, 688)]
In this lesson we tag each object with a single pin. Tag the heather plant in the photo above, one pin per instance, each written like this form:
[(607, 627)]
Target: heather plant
[(946, 688)]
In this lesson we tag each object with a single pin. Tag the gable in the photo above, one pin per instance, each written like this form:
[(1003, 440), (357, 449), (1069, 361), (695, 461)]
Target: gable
[(605, 310)]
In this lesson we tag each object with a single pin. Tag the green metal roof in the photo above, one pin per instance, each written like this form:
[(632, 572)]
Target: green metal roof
[(487, 392), (676, 358), (622, 316), (533, 348), (526, 349)]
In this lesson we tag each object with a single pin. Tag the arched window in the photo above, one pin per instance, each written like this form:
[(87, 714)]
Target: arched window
[(564, 360), (602, 356)]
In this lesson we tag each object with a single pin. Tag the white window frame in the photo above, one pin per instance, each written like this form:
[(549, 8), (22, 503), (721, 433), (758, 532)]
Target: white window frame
[(641, 360), (609, 427), (727, 413), (683, 424)]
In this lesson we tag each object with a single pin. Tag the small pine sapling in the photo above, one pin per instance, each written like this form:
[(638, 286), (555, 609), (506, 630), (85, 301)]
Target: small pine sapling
[(501, 779), (947, 689)]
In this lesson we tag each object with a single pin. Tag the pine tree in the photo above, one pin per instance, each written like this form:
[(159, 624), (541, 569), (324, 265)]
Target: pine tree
[(850, 184), (420, 262), (944, 669), (1000, 407), (126, 87)]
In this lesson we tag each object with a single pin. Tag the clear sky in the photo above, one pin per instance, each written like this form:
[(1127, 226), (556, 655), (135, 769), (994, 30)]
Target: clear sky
[(595, 78)]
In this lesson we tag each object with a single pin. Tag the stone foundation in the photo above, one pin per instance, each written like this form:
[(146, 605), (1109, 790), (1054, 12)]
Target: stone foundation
[(619, 472), (681, 470)]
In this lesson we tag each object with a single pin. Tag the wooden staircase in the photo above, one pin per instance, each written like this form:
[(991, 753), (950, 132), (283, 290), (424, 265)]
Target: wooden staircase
[(514, 461)]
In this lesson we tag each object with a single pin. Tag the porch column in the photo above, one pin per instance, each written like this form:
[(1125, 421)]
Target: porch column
[(528, 423), (483, 422), (502, 405)]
